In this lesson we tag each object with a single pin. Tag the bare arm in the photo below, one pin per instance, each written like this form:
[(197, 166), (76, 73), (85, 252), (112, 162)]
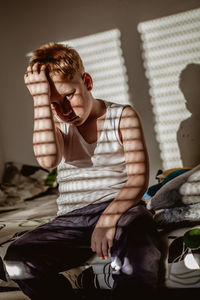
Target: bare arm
[(47, 138), (131, 193)]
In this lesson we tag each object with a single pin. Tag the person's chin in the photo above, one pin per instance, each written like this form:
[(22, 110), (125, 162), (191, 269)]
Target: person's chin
[(76, 122)]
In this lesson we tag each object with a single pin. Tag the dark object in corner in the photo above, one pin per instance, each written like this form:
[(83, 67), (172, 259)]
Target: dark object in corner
[(28, 170)]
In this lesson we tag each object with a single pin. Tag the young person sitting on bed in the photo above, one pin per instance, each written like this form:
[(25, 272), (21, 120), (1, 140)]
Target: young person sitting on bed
[(99, 150)]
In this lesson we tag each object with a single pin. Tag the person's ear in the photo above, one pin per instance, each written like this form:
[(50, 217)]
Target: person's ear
[(88, 81)]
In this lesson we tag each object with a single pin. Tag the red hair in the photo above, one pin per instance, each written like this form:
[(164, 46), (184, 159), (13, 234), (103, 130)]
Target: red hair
[(60, 60)]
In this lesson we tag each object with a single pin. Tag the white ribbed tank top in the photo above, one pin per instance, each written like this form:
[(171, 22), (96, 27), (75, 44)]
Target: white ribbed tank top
[(91, 173)]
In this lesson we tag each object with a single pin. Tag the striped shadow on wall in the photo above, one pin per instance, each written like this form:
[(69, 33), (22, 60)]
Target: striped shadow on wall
[(169, 44)]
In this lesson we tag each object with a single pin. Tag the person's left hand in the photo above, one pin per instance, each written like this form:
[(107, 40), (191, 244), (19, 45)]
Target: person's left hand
[(102, 240)]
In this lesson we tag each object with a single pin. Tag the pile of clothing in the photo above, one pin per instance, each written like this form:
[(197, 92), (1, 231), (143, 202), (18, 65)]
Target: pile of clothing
[(175, 200), (22, 182), (175, 203)]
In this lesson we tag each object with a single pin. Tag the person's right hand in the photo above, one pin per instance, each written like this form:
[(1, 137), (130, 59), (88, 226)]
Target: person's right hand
[(36, 80)]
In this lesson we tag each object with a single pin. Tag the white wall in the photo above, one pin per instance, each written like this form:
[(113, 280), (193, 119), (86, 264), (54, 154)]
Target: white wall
[(25, 25)]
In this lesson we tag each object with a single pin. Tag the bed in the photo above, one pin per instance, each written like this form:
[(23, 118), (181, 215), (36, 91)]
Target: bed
[(28, 198)]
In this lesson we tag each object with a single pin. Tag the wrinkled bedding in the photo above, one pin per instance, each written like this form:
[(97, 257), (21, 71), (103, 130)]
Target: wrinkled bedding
[(26, 202), (17, 219), (27, 199)]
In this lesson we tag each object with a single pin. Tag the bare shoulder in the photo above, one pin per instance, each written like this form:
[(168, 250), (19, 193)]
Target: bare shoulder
[(129, 118), (132, 138)]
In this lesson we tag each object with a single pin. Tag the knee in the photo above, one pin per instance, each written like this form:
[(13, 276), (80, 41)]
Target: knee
[(136, 222), (138, 241), (18, 249), (16, 261), (16, 270), (136, 215)]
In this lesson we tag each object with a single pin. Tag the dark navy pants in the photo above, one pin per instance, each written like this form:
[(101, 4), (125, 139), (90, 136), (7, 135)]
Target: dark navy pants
[(64, 243)]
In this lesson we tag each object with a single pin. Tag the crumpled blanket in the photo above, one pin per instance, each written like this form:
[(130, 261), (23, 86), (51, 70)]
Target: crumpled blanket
[(182, 216), (21, 218), (22, 182), (178, 201)]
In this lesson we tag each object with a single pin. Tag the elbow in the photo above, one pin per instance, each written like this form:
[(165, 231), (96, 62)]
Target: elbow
[(47, 156), (48, 162)]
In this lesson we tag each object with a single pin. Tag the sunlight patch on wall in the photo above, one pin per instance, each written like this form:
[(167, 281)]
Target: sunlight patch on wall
[(103, 59), (169, 44)]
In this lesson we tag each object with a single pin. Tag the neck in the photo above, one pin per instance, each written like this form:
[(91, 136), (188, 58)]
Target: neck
[(98, 109)]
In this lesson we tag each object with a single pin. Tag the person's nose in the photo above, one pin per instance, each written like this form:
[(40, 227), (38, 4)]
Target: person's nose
[(66, 107)]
